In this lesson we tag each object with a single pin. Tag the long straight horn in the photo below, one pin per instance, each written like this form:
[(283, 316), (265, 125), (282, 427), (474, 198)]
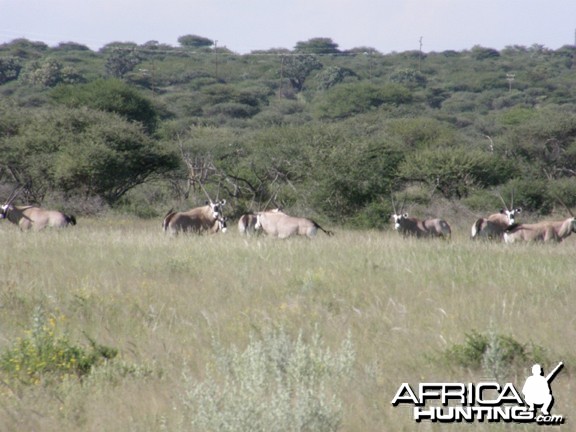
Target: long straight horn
[(503, 202), (14, 194), (204, 190), (565, 206), (512, 200), (402, 205), (272, 199), (393, 203)]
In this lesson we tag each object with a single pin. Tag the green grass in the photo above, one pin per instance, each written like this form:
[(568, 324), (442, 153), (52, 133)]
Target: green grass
[(163, 302)]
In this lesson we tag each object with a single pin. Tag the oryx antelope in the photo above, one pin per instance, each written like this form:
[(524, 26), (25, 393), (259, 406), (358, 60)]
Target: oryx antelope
[(541, 231), (32, 217), (494, 226), (205, 219), (247, 222), (544, 231), (411, 226), (278, 224)]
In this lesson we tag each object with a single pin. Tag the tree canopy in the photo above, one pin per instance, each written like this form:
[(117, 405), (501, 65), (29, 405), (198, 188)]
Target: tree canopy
[(316, 128)]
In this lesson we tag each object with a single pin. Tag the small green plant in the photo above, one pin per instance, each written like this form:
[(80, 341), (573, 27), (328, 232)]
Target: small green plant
[(42, 353), (275, 384), (495, 353)]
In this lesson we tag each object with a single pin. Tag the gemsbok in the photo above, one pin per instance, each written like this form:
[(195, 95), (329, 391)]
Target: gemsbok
[(541, 231), (247, 222), (276, 223), (199, 220), (494, 226), (411, 226), (32, 217), (545, 231)]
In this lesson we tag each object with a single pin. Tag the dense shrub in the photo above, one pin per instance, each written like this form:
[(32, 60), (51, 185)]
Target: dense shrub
[(83, 152), (44, 354), (274, 384), (112, 96), (349, 99), (456, 172), (496, 354)]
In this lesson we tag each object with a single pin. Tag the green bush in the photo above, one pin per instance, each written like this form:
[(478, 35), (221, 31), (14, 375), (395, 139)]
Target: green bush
[(349, 99), (456, 172), (83, 152), (484, 201), (112, 96), (42, 354), (530, 194), (494, 353)]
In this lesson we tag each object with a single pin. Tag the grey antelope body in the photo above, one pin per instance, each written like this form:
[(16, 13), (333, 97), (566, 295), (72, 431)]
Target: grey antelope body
[(544, 231), (411, 226), (278, 224), (35, 218), (494, 226), (205, 219)]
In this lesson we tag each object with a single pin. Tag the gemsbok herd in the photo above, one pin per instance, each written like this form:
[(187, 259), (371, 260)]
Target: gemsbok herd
[(209, 219)]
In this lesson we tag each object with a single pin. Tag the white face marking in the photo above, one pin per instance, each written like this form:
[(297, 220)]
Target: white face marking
[(397, 219), (258, 223), (510, 215)]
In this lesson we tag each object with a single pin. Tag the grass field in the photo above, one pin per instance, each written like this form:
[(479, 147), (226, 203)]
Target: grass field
[(178, 309)]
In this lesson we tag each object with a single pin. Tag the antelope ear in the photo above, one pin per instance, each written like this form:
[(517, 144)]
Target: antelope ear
[(405, 215), (223, 202), (207, 202), (502, 211), (519, 210)]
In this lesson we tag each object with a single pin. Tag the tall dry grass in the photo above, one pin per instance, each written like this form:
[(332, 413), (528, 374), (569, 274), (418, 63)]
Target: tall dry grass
[(164, 301)]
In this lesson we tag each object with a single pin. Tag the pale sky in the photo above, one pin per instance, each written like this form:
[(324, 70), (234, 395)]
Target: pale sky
[(246, 25)]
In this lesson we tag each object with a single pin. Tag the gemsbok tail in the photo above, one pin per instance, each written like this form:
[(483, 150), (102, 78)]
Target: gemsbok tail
[(445, 229), (243, 224), (167, 219), (70, 219), (476, 227), (328, 233)]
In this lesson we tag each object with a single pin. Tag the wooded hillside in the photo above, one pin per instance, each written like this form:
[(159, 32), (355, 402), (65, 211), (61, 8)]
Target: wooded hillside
[(315, 129)]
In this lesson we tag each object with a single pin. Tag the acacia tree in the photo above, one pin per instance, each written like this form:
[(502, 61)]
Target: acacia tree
[(297, 68), (9, 69), (194, 41), (110, 95), (49, 73), (317, 46), (85, 152), (122, 60)]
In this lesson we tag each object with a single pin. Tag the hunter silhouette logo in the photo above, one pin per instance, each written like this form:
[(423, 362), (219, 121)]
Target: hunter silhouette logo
[(537, 390), (484, 401)]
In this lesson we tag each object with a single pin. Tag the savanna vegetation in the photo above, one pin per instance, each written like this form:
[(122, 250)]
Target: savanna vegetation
[(111, 325), (321, 131)]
